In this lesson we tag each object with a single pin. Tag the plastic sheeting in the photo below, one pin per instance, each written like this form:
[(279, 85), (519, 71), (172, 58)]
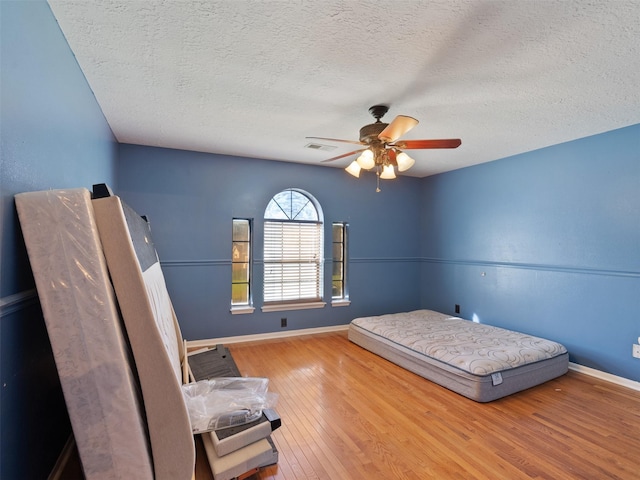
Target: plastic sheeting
[(85, 332), (226, 402)]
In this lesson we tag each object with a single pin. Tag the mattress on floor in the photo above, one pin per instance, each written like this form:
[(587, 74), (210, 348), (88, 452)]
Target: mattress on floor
[(84, 328), (479, 361)]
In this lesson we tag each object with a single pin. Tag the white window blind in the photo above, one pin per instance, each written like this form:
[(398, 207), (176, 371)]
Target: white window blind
[(292, 261)]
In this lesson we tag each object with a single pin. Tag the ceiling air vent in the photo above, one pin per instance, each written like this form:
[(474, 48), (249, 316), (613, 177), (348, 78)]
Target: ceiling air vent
[(319, 146)]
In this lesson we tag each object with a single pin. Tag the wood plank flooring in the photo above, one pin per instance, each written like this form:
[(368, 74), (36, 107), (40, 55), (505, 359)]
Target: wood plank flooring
[(349, 414)]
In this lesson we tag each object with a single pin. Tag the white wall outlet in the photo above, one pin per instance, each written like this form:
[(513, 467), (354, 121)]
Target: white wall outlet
[(636, 350)]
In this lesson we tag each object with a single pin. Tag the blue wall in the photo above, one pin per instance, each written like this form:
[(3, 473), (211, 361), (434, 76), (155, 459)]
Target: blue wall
[(547, 242), (53, 136), (191, 198)]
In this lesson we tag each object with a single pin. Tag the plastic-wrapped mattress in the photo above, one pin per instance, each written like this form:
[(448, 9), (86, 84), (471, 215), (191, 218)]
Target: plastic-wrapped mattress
[(153, 331), (478, 361), (156, 343), (89, 347)]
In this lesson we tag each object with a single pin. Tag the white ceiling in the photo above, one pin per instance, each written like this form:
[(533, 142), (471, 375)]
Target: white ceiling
[(254, 78)]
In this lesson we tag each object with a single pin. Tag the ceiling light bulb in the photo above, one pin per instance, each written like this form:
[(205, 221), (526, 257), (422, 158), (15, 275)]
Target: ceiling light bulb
[(404, 161), (387, 172), (365, 160), (354, 169)]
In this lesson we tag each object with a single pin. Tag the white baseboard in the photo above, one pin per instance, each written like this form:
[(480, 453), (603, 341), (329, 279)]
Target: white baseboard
[(265, 336), (625, 382)]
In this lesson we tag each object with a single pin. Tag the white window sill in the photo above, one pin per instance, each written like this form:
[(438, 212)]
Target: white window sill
[(241, 310), (341, 303), (281, 307)]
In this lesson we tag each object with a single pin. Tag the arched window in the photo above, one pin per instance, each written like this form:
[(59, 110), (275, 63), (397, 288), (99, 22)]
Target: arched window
[(293, 247)]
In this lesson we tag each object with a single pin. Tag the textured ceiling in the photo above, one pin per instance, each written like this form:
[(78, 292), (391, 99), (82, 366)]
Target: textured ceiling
[(254, 78)]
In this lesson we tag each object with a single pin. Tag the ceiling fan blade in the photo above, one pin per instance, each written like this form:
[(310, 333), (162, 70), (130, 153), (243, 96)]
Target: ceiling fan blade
[(418, 144), (337, 140), (343, 155), (400, 125)]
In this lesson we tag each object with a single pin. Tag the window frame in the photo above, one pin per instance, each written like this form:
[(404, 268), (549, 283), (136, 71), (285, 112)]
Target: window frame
[(296, 259), (343, 299), (243, 308)]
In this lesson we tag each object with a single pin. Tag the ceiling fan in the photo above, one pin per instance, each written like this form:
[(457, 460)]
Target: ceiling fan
[(382, 148)]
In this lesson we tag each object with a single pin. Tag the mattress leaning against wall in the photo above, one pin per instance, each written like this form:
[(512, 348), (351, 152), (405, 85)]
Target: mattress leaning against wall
[(154, 333), (84, 328), (153, 328)]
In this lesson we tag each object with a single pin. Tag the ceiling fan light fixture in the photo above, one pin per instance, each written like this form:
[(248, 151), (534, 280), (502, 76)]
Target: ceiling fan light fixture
[(381, 148), (404, 161), (366, 160), (354, 169), (388, 173)]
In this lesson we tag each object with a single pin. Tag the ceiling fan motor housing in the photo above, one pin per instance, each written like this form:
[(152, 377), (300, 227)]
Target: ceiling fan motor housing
[(369, 133)]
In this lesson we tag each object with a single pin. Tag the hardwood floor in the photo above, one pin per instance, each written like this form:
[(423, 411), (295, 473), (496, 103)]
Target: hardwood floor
[(349, 414)]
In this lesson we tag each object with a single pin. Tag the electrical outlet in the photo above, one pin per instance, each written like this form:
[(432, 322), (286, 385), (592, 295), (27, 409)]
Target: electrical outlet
[(636, 350), (283, 322)]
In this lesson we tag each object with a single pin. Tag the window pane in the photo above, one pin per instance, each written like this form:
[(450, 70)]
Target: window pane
[(336, 289), (291, 205), (337, 232), (240, 273), (240, 294), (337, 271), (274, 211), (240, 230), (240, 252), (298, 204), (303, 209), (337, 252)]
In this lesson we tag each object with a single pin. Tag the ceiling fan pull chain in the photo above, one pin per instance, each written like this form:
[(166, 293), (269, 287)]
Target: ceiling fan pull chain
[(377, 179)]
